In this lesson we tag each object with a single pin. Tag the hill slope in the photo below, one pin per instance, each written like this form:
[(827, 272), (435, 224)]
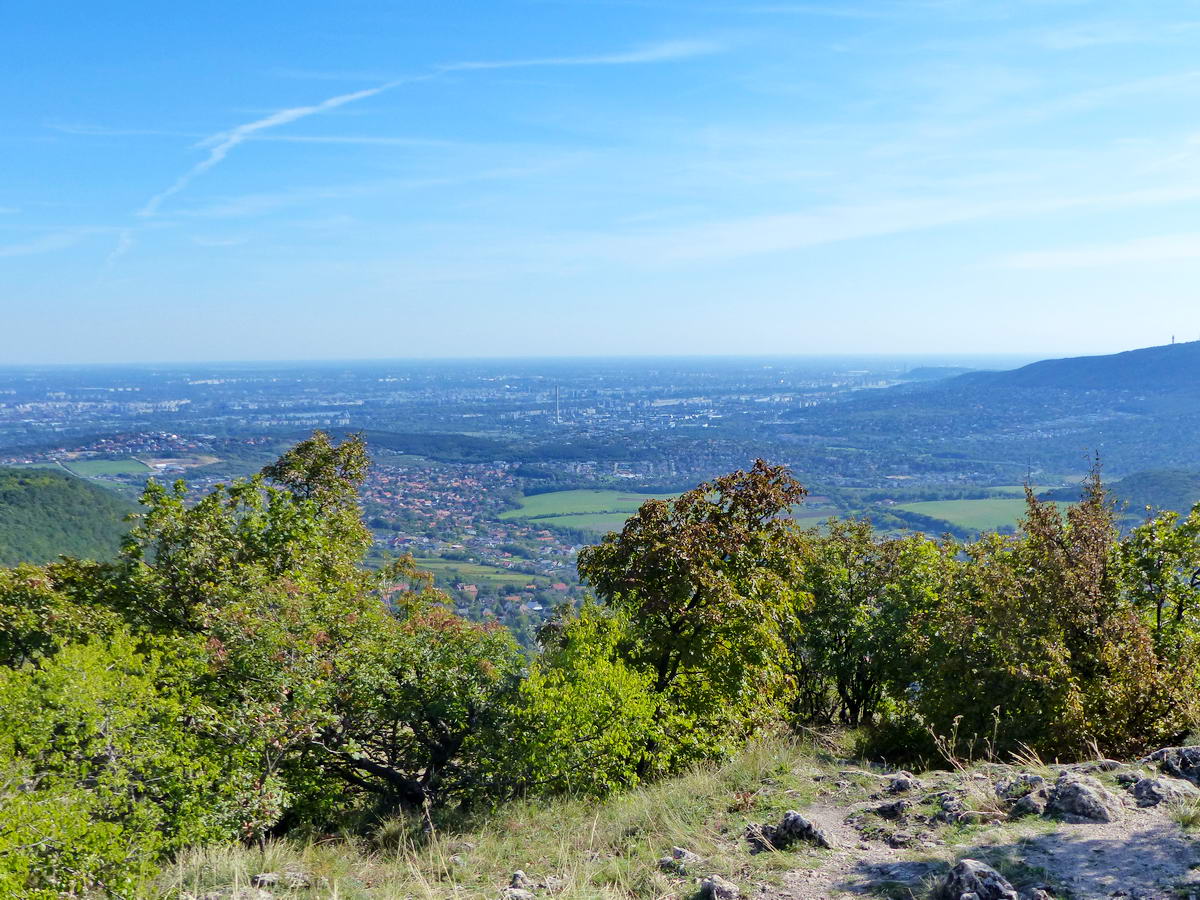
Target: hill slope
[(1138, 410), (890, 834), (45, 513), (1169, 368), (1159, 489)]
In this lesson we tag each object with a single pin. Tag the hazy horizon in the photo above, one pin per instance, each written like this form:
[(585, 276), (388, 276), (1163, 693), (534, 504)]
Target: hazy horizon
[(895, 358)]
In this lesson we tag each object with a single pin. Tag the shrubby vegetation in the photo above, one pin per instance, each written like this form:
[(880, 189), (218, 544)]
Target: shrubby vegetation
[(239, 673)]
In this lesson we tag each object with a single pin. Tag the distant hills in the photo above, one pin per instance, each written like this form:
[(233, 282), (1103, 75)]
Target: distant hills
[(1169, 368), (1138, 411), (1160, 489), (934, 373), (45, 513)]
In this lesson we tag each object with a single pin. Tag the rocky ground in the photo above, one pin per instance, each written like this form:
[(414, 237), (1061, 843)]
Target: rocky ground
[(1096, 830), (787, 824)]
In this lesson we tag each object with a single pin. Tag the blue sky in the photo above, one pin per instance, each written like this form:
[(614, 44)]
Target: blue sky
[(296, 180)]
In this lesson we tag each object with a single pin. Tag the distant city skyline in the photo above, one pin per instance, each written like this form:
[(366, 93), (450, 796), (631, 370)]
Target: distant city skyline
[(554, 178)]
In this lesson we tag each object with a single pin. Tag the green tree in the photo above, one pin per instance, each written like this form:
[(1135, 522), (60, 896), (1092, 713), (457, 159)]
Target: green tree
[(702, 582), (1040, 641), (857, 598), (1162, 567), (420, 722)]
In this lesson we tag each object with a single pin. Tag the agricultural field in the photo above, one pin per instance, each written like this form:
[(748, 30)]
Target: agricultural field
[(598, 511), (980, 515), (182, 462), (89, 468), (476, 572), (602, 511)]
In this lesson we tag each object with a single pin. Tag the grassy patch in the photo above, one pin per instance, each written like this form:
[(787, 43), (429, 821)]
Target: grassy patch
[(477, 572), (606, 849), (980, 515), (595, 511), (88, 468), (1186, 813)]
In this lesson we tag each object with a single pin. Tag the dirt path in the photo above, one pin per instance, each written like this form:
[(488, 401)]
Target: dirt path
[(1143, 855)]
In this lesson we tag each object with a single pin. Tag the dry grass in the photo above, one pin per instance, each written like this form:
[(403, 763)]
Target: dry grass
[(605, 849), (1186, 813)]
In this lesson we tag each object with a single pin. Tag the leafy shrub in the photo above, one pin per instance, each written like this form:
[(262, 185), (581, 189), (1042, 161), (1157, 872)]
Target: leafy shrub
[(586, 716), (100, 774)]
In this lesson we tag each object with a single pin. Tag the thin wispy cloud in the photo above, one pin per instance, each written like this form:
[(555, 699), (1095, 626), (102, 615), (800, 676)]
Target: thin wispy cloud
[(125, 243), (1106, 34), (249, 205), (46, 243), (88, 130), (667, 51), (222, 144), (356, 139), (1139, 251)]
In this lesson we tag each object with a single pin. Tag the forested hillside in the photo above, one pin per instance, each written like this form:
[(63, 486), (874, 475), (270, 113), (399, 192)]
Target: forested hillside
[(1138, 410), (1163, 369), (45, 513), (1155, 489)]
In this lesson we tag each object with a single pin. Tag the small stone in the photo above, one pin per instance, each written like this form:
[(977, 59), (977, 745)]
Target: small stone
[(1182, 762), (680, 860), (1153, 791), (973, 817), (1030, 805), (1081, 798), (1019, 786), (950, 803), (297, 880), (971, 878), (714, 887), (894, 810), (902, 783), (792, 828), (515, 893)]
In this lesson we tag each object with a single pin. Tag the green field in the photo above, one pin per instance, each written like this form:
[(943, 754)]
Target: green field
[(588, 510), (980, 515), (476, 572), (600, 511), (86, 468)]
